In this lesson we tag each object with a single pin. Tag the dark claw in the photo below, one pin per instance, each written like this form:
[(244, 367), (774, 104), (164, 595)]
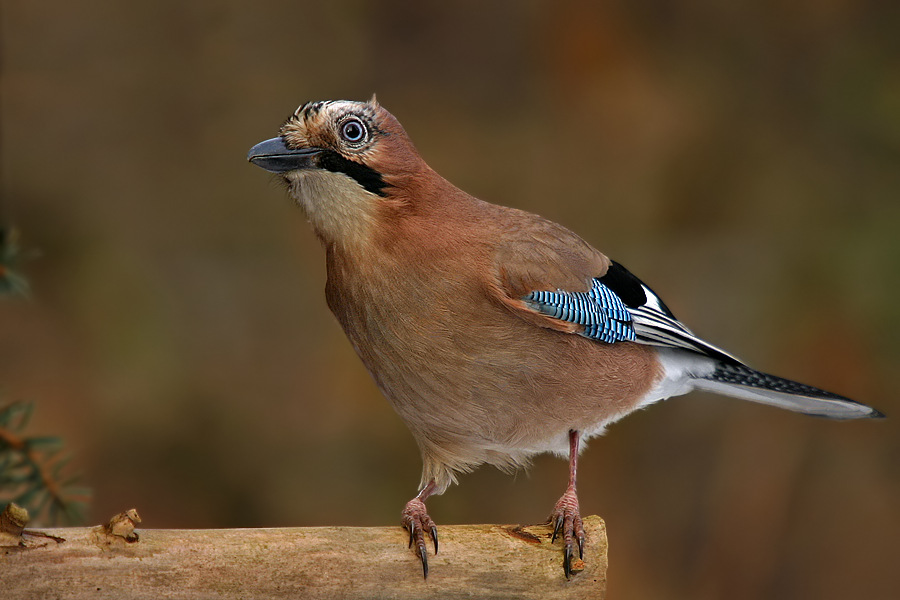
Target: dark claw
[(434, 538), (411, 529), (567, 558), (581, 547), (424, 556), (557, 528)]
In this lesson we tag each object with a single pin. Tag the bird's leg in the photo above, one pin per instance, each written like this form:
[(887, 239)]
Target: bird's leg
[(565, 518), (418, 523)]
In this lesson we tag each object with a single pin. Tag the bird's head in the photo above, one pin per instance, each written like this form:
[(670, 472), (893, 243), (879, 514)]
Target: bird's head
[(346, 163)]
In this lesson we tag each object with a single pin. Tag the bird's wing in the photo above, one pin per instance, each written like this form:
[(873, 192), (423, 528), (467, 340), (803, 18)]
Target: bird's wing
[(609, 305)]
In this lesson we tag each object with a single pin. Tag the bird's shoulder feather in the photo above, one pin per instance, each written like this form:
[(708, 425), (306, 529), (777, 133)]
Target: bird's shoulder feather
[(532, 253)]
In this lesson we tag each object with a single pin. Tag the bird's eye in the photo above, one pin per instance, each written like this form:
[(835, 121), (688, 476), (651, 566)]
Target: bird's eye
[(353, 131)]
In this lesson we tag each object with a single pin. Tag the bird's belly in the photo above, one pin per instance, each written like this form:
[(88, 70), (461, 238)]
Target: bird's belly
[(498, 390)]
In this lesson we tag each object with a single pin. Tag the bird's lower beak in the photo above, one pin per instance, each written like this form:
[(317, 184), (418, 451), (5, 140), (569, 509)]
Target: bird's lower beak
[(273, 156)]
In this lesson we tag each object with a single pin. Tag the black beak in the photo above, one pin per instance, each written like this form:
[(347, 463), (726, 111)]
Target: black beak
[(273, 156)]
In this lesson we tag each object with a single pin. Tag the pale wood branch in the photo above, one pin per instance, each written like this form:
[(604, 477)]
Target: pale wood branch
[(475, 561)]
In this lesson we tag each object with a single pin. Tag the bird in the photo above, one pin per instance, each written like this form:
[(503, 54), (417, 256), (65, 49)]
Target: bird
[(494, 333)]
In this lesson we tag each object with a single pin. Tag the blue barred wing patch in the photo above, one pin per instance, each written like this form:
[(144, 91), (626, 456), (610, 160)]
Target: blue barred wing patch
[(599, 310)]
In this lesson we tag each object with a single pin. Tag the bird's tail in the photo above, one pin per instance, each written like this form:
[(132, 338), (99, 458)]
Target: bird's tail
[(740, 381)]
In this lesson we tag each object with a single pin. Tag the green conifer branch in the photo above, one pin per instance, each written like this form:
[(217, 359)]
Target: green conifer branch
[(33, 471)]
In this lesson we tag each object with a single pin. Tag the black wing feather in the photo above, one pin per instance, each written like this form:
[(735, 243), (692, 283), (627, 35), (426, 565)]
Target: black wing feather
[(654, 323)]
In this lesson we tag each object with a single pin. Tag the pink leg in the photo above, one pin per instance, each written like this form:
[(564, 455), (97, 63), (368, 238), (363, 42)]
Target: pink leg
[(416, 520), (565, 517)]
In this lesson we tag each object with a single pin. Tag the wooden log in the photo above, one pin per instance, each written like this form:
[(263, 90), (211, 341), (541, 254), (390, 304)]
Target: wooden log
[(475, 561)]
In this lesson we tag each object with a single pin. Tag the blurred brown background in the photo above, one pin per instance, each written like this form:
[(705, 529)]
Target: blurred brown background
[(741, 157)]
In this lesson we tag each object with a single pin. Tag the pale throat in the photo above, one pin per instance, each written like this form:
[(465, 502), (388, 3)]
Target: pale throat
[(339, 209)]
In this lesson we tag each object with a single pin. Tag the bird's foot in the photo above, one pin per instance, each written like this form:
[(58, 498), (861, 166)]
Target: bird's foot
[(566, 521), (419, 524)]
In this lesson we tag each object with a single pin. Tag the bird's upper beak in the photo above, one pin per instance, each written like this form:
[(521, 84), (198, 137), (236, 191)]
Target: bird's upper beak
[(273, 156)]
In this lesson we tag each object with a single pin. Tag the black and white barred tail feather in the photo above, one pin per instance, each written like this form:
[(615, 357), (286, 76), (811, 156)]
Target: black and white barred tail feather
[(740, 381)]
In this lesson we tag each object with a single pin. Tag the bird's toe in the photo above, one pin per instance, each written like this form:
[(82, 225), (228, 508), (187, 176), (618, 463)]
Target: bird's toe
[(567, 524), (416, 520)]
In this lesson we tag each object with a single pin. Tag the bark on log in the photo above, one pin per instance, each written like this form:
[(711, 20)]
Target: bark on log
[(475, 561)]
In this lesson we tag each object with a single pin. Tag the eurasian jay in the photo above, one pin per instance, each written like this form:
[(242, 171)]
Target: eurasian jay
[(494, 333)]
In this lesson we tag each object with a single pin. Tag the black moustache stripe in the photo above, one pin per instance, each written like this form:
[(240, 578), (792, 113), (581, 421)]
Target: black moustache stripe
[(370, 179)]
